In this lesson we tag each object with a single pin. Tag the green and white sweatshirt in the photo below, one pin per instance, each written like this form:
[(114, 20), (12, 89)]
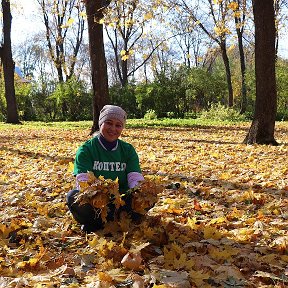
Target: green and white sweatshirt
[(122, 160)]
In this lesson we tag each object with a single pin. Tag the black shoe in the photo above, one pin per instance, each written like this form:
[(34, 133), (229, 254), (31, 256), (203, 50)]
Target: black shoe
[(88, 228), (137, 218)]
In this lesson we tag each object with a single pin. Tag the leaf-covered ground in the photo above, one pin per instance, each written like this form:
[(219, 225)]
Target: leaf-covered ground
[(220, 222)]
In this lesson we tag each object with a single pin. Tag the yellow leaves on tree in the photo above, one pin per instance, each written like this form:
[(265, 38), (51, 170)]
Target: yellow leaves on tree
[(148, 16), (125, 55), (221, 29), (233, 6)]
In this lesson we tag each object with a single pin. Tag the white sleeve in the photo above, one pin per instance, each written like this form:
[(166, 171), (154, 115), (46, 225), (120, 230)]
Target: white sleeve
[(82, 177), (133, 178)]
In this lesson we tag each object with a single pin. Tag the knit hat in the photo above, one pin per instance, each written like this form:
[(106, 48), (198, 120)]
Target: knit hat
[(112, 111)]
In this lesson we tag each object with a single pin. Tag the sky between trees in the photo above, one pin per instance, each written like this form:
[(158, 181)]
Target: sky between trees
[(26, 21)]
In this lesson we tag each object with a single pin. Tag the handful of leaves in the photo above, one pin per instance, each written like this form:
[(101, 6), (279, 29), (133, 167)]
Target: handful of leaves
[(99, 192), (145, 194)]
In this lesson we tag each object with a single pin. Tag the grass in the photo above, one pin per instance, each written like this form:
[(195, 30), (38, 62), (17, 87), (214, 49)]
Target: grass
[(131, 123)]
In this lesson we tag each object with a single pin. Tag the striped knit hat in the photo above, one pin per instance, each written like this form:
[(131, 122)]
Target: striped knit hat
[(112, 111)]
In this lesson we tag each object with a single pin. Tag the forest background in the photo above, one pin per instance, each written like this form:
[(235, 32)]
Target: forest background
[(176, 71), (221, 217)]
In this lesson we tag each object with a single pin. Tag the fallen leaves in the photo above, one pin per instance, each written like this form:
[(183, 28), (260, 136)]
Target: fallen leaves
[(145, 194), (220, 219), (132, 261)]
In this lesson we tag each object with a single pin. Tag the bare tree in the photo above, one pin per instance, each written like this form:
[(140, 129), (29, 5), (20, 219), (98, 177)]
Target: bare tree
[(64, 25), (218, 32), (125, 27), (8, 65), (280, 19), (263, 124), (190, 40)]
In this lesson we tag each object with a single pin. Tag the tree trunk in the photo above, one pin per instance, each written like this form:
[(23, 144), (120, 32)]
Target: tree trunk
[(97, 56), (124, 66), (263, 124), (228, 73), (8, 65), (239, 24), (243, 75)]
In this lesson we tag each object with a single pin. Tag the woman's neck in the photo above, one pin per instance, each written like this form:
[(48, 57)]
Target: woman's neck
[(106, 144)]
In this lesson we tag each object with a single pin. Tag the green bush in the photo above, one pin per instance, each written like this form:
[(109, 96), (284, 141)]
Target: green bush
[(204, 87), (219, 112), (125, 98), (282, 88), (150, 115), (166, 95)]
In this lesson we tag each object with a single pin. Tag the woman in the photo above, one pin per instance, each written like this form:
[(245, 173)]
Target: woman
[(108, 156)]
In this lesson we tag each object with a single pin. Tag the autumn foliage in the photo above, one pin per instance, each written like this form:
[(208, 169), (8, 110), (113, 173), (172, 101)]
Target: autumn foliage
[(220, 217), (100, 192)]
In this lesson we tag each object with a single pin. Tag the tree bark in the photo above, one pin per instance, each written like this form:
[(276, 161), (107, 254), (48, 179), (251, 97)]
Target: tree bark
[(239, 24), (228, 73), (94, 11), (243, 75), (263, 124), (8, 65)]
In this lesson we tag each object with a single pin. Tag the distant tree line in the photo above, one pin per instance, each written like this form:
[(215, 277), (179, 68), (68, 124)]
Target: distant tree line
[(181, 92), (176, 58)]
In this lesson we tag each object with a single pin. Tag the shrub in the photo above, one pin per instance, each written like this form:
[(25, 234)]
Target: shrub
[(125, 98), (219, 112), (150, 114)]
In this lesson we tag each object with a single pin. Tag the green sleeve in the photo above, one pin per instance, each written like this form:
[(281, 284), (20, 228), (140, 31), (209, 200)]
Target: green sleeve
[(83, 160)]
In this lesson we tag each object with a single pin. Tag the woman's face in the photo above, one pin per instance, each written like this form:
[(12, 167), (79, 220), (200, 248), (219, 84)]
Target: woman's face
[(111, 129)]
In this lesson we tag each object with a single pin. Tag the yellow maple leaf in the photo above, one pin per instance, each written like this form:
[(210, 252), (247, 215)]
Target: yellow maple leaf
[(125, 57), (193, 223), (5, 230), (104, 277), (223, 254), (211, 232), (70, 21), (198, 277), (83, 14), (225, 176), (70, 167), (33, 262), (123, 52), (182, 261), (218, 220), (233, 6), (148, 16), (169, 256), (92, 243)]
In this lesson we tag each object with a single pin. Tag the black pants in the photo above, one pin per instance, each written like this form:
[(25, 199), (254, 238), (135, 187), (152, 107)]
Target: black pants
[(90, 216)]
